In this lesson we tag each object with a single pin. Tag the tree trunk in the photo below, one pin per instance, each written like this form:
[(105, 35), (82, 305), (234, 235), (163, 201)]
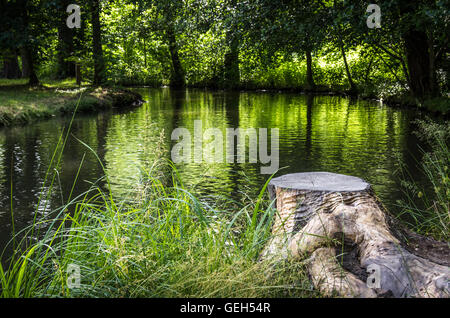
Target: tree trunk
[(25, 64), (177, 77), (27, 56), (310, 85), (26, 51), (11, 68), (336, 223), (368, 70), (78, 74), (65, 45), (353, 89), (99, 64), (422, 79)]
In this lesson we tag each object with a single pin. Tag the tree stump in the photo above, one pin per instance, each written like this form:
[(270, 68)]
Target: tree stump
[(350, 244)]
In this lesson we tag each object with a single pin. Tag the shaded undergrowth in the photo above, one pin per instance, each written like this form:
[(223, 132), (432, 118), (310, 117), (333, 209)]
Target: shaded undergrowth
[(429, 206)]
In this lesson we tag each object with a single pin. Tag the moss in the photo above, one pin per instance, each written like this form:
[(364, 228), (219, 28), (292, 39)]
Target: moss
[(20, 104)]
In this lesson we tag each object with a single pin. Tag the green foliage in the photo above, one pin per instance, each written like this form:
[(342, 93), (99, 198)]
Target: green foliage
[(158, 42), (429, 207)]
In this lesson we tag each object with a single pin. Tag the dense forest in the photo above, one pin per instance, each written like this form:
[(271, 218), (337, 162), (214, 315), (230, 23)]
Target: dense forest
[(306, 45)]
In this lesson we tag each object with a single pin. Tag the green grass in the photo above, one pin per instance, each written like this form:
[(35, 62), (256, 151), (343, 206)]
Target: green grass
[(430, 206), (161, 242), (21, 104), (47, 82)]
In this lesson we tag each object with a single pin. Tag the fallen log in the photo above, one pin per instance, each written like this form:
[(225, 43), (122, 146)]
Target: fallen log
[(351, 245)]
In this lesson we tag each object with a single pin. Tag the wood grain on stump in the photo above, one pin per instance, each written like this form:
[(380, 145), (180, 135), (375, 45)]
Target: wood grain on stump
[(351, 245)]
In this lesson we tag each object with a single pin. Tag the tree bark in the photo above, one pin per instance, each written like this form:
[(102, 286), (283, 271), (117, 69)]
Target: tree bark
[(78, 74), (145, 53), (337, 225), (433, 60), (99, 64)]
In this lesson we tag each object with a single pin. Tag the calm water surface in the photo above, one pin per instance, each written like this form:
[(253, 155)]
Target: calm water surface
[(317, 133)]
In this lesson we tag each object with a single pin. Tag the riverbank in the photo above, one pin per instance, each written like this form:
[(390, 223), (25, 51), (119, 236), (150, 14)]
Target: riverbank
[(437, 105), (21, 104)]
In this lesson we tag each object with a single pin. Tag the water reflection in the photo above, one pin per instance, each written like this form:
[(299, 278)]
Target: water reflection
[(317, 133)]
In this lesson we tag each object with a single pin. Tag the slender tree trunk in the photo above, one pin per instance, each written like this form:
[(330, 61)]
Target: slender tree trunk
[(310, 85), (99, 64), (368, 69), (26, 51), (78, 74), (353, 89), (178, 77)]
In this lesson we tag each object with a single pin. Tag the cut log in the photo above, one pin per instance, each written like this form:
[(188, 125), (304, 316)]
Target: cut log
[(352, 246)]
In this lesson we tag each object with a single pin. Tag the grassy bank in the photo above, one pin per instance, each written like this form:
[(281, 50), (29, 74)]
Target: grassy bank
[(21, 104), (429, 206), (163, 241)]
